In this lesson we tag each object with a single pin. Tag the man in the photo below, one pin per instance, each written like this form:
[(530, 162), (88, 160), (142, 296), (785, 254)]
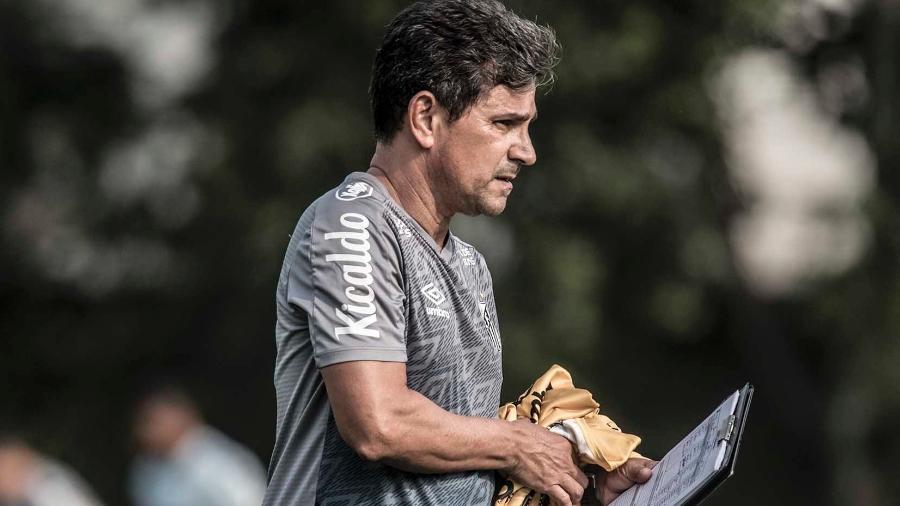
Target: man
[(184, 461), (29, 478), (388, 370)]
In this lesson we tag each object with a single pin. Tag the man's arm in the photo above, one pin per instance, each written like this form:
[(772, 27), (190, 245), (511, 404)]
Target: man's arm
[(383, 420)]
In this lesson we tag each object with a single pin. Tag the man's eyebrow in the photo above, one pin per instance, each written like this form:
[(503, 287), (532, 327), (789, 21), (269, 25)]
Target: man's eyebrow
[(517, 116)]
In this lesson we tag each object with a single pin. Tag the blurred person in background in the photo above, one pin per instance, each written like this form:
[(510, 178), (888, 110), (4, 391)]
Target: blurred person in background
[(184, 461), (28, 478)]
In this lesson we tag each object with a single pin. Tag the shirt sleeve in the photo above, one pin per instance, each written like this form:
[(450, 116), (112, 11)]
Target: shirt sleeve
[(357, 284)]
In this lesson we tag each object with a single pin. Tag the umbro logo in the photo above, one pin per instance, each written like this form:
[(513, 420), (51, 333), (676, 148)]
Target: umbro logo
[(354, 191), (434, 295), (437, 298)]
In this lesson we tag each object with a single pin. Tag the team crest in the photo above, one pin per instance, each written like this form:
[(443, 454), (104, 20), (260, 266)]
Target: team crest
[(354, 191)]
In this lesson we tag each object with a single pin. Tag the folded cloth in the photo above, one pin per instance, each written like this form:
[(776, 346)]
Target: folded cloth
[(554, 402)]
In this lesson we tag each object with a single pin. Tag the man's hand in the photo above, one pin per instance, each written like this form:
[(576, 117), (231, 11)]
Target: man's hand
[(611, 485), (545, 463)]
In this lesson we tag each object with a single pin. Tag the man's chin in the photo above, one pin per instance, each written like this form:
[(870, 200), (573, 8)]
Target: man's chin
[(491, 208)]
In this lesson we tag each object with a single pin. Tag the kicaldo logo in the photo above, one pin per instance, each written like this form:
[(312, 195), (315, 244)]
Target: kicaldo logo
[(359, 314)]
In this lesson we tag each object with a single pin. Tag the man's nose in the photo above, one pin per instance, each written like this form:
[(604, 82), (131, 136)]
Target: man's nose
[(523, 151)]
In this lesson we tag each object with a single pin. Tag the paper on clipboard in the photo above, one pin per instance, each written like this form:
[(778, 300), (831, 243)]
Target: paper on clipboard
[(690, 465)]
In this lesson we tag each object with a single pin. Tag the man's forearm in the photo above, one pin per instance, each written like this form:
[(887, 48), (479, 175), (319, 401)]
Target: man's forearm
[(420, 436), (382, 419)]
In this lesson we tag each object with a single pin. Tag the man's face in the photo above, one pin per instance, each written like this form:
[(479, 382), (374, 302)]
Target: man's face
[(480, 154), (160, 425)]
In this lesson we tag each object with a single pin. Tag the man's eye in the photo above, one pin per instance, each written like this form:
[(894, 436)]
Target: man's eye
[(504, 123)]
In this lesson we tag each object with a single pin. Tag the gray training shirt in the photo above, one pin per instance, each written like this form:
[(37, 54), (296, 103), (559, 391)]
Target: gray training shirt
[(362, 280)]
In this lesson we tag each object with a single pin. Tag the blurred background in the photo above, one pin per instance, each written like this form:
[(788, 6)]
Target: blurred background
[(715, 202)]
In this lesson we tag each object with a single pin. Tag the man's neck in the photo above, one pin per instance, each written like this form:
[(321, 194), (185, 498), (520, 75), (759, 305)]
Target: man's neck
[(403, 172)]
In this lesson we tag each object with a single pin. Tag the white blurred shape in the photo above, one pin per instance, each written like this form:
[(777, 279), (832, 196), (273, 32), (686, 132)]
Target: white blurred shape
[(801, 23), (67, 254), (156, 167), (844, 7), (51, 220), (168, 44), (806, 176)]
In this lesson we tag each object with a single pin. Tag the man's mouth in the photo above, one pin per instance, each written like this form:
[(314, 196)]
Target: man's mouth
[(506, 181)]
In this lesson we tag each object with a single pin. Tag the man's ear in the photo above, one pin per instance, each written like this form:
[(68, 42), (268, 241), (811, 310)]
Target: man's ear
[(422, 115)]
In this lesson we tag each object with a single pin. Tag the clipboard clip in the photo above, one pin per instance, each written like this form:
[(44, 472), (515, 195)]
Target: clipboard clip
[(727, 429)]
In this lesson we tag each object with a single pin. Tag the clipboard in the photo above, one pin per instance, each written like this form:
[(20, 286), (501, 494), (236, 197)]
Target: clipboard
[(732, 433), (681, 484)]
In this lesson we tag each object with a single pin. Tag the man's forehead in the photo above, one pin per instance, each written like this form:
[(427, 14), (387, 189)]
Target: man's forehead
[(501, 100)]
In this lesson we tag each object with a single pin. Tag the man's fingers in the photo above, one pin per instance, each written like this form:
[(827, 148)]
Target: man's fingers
[(631, 472), (617, 483), (559, 496), (581, 478), (573, 489), (639, 470)]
